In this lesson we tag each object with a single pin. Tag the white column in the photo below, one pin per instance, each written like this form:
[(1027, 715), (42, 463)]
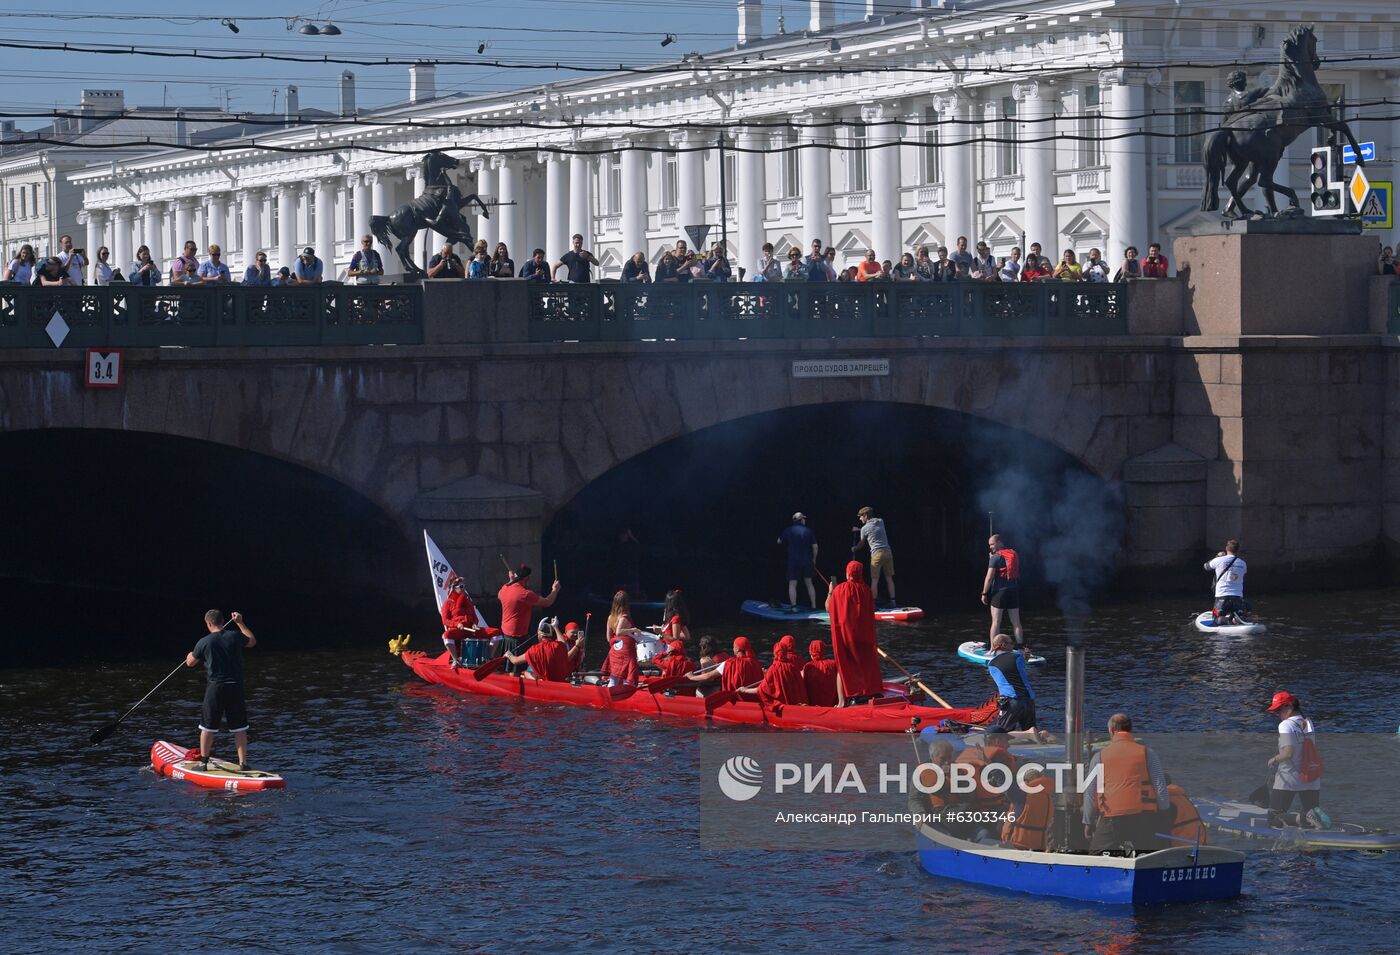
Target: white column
[(265, 239), (94, 222), (122, 252), (380, 193), (886, 231), (816, 179), (750, 196), (508, 179), (214, 214), (959, 201), (251, 201), (184, 223), (1036, 120), (533, 230), (580, 209), (634, 199), (150, 232), (556, 206), (324, 192), (690, 182), (487, 227), (1127, 162), (362, 207), (287, 196)]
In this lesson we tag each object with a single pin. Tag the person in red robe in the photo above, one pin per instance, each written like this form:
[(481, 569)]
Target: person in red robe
[(674, 662), (459, 619), (819, 676), (742, 669), (550, 658), (852, 610), (620, 666), (783, 682)]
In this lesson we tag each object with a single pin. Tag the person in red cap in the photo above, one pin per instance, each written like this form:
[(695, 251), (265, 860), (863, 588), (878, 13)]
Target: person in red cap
[(852, 608), (575, 638), (517, 601), (819, 676), (740, 670), (674, 662), (1294, 730), (550, 659), (782, 683)]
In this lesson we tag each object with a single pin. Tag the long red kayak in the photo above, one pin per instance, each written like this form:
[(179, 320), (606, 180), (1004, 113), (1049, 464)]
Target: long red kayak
[(886, 716)]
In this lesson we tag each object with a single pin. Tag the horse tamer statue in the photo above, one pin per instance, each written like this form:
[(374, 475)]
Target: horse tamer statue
[(1260, 123), (438, 208)]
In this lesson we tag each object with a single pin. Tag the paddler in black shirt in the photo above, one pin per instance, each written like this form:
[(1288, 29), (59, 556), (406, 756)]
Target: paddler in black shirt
[(221, 652)]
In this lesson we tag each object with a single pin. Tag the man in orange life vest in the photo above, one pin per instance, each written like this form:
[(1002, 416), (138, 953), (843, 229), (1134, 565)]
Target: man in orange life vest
[(991, 749), (1124, 799), (1032, 827), (940, 754), (1183, 818), (1001, 589)]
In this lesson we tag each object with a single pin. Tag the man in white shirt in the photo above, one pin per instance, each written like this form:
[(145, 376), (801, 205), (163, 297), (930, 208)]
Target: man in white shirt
[(1293, 730), (1229, 569), (73, 262)]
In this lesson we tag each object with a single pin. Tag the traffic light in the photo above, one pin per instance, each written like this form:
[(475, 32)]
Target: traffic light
[(1325, 179)]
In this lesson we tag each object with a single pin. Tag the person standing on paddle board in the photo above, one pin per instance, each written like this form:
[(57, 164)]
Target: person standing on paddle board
[(873, 537), (1229, 569), (801, 557), (1295, 732), (221, 652), (517, 601), (851, 605), (1001, 589)]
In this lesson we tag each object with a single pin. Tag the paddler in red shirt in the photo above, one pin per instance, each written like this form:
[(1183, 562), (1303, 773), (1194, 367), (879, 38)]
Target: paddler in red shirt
[(740, 670), (517, 601), (852, 609), (819, 676), (458, 618), (783, 681), (550, 658)]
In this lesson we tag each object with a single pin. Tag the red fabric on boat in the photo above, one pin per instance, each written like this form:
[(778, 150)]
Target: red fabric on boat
[(819, 676), (783, 682), (549, 660), (457, 609), (675, 663), (852, 609), (742, 669), (621, 661)]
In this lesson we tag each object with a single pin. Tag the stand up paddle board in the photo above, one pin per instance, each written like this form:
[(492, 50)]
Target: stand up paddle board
[(177, 762), (1249, 821), (1205, 622), (975, 651), (771, 611)]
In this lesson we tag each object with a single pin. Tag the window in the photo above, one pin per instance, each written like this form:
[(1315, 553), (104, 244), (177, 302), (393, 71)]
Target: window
[(34, 198), (857, 171), (10, 206), (1190, 102), (614, 174), (274, 225), (310, 218), (23, 203), (930, 172), (792, 165), (670, 182), (731, 182), (1008, 156), (349, 221), (1091, 129)]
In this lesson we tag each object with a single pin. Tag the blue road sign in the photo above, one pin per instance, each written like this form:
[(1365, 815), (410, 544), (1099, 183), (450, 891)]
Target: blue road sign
[(1368, 153)]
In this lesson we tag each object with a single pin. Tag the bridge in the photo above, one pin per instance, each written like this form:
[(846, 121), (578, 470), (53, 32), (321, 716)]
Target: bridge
[(479, 410)]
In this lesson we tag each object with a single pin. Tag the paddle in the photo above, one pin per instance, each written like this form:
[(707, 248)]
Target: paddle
[(656, 686), (715, 700), (495, 663), (919, 683), (106, 731)]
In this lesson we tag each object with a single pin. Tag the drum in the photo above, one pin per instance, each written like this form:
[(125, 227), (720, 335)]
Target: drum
[(475, 652)]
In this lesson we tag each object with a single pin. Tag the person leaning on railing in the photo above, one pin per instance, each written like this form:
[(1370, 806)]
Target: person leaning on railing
[(1131, 267), (635, 269), (51, 272), (1069, 269), (21, 267), (213, 271), (259, 274)]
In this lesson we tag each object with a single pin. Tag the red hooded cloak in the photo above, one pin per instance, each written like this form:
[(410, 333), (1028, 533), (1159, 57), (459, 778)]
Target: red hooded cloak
[(457, 609), (676, 663), (819, 676), (621, 661), (549, 660), (742, 669), (852, 608), (783, 681)]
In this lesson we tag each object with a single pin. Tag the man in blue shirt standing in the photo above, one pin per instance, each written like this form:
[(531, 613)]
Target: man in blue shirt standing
[(801, 557)]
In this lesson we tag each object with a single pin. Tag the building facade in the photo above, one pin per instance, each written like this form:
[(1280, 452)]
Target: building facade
[(1077, 125)]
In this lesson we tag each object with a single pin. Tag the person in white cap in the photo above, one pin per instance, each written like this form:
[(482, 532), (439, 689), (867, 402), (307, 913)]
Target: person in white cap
[(801, 557)]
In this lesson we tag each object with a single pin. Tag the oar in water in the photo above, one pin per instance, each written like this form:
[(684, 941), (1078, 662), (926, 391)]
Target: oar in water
[(715, 700), (106, 731), (917, 682)]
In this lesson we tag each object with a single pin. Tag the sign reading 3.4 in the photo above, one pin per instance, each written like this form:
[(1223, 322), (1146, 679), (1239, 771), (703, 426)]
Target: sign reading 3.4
[(104, 369)]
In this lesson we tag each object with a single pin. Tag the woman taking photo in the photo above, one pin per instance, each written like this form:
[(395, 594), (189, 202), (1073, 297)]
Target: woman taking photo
[(102, 268), (143, 270)]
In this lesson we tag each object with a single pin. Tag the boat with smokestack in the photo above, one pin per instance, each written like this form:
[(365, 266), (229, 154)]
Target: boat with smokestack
[(1180, 873)]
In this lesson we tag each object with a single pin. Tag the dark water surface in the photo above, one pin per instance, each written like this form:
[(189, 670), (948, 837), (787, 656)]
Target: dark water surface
[(418, 821)]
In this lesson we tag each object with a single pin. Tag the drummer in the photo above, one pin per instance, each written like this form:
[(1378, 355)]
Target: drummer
[(517, 601), (459, 619)]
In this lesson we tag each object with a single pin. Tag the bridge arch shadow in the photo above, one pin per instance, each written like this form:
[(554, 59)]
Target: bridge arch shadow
[(117, 541), (707, 506)]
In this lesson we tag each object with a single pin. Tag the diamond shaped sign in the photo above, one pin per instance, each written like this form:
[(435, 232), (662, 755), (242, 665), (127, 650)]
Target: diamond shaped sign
[(1359, 188), (57, 329)]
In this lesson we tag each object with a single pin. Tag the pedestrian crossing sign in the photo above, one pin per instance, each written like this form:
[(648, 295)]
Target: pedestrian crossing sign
[(1377, 211)]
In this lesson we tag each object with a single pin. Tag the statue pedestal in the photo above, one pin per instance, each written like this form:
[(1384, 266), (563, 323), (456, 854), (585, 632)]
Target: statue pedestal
[(1278, 277)]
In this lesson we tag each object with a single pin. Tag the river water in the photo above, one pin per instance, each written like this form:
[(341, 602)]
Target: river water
[(415, 820)]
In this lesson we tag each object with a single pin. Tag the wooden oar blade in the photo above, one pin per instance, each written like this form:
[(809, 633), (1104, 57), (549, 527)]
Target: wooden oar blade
[(488, 668)]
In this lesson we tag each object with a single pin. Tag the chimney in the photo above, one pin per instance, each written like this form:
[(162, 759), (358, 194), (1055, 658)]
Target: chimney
[(347, 93), (750, 21), (293, 110), (100, 104), (823, 15), (875, 9), (422, 82), (182, 129)]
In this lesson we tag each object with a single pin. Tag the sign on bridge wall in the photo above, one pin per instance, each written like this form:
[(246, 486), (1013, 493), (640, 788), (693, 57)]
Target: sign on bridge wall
[(841, 368)]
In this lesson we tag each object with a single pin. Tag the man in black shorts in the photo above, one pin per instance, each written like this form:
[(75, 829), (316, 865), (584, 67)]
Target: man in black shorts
[(1001, 589), (221, 652)]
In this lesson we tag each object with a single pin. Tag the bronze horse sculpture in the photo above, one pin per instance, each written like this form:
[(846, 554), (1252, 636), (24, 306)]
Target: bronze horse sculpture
[(1254, 134), (438, 208)]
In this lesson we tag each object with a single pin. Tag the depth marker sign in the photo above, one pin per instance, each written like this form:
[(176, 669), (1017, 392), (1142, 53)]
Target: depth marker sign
[(104, 369)]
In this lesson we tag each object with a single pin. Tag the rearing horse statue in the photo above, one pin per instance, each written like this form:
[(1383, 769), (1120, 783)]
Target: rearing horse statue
[(438, 208), (1254, 137)]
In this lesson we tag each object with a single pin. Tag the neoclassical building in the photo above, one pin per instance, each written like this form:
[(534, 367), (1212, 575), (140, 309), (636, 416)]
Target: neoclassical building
[(1074, 126)]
